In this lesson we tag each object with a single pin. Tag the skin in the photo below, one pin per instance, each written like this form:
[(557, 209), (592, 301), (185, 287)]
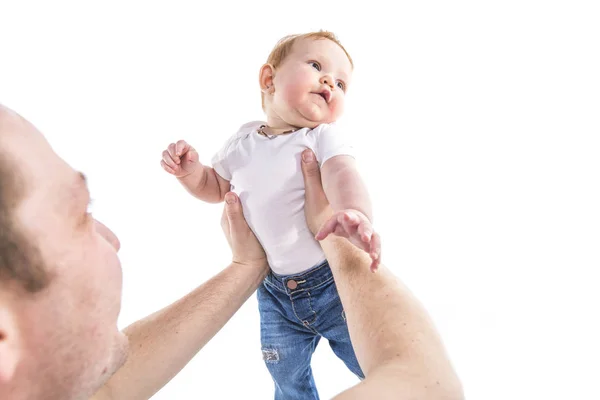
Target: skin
[(83, 300), (63, 342), (395, 341), (308, 89), (46, 338), (293, 91)]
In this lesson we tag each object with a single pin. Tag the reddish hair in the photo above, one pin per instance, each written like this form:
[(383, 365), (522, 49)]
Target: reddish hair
[(285, 45)]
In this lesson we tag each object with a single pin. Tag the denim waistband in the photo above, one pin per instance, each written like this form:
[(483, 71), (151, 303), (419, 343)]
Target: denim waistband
[(310, 279)]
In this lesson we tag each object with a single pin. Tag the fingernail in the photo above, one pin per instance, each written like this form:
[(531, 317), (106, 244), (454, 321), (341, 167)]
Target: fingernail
[(308, 156), (230, 198)]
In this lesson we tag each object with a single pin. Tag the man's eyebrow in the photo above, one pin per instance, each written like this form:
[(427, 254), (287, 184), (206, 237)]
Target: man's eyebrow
[(81, 186), (82, 179), (73, 195)]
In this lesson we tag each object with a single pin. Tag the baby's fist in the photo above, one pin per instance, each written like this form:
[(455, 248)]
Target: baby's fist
[(179, 159)]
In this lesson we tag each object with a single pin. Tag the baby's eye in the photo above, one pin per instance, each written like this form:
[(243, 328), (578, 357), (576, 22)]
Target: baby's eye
[(316, 65), (341, 85)]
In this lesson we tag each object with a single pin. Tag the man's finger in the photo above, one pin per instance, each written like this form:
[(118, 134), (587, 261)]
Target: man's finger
[(310, 168), (312, 177), (235, 214), (225, 224)]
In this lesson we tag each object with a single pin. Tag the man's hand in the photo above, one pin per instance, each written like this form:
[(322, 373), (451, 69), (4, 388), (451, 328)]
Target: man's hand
[(316, 206), (180, 159), (350, 224), (245, 247)]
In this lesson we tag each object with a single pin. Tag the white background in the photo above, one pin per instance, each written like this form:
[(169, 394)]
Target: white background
[(477, 125)]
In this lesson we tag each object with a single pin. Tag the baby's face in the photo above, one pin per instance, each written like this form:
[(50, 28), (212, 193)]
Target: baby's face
[(310, 85)]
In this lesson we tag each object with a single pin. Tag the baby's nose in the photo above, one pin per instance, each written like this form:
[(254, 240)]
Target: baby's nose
[(327, 80)]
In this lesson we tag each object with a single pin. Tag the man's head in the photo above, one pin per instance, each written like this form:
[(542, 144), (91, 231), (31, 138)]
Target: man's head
[(19, 262), (305, 79), (60, 277)]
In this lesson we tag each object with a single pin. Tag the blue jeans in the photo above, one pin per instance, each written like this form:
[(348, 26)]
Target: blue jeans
[(295, 312)]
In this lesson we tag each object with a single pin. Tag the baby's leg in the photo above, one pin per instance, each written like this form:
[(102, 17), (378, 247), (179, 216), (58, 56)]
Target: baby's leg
[(287, 345), (339, 340), (331, 324)]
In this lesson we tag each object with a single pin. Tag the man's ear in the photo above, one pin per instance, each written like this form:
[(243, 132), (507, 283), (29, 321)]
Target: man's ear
[(265, 79), (10, 353)]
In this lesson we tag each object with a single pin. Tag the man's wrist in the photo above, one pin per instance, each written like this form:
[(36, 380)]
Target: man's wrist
[(258, 269), (252, 263), (341, 253)]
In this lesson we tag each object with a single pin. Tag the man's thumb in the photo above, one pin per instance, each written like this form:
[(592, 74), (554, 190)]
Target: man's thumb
[(310, 168), (233, 208)]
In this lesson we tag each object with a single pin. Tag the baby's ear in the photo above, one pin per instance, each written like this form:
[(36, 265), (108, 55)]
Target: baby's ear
[(265, 78)]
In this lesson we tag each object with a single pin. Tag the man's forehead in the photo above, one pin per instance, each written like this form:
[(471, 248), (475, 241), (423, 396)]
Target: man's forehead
[(32, 158), (65, 191), (17, 134)]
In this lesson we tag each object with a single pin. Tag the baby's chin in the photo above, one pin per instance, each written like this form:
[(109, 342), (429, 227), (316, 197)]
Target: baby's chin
[(312, 119)]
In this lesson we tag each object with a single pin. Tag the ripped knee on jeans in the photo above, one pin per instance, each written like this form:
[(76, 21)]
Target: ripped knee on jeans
[(270, 355)]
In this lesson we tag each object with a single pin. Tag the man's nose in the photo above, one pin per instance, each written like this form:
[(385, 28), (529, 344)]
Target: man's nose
[(108, 235), (327, 80)]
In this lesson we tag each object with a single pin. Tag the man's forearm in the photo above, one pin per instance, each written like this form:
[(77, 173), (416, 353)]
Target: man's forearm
[(164, 342), (393, 382), (395, 342)]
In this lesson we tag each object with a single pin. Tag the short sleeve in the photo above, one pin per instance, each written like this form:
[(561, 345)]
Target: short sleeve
[(221, 161), (331, 141)]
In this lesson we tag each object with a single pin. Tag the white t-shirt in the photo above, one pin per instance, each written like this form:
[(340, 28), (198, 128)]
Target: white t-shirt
[(265, 173)]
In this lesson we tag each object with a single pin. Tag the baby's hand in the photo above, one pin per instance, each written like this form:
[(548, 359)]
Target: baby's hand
[(356, 227), (179, 159)]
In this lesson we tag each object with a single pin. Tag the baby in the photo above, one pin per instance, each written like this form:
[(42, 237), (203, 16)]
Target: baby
[(303, 84)]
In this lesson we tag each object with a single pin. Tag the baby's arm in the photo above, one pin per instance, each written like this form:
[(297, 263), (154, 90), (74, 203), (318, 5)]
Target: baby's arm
[(205, 184), (344, 186), (350, 201), (181, 160)]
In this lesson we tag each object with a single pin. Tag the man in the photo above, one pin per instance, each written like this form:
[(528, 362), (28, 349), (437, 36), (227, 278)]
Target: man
[(60, 291)]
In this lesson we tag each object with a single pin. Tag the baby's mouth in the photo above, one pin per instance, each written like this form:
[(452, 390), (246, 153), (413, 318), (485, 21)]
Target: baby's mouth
[(326, 95)]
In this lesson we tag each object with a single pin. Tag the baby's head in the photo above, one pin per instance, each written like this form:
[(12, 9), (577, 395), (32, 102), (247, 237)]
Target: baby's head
[(305, 80)]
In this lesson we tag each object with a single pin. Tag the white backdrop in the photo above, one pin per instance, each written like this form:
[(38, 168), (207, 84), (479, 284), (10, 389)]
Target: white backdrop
[(477, 125)]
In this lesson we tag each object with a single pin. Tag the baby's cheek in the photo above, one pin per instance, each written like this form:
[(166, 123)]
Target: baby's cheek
[(337, 108), (292, 95)]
